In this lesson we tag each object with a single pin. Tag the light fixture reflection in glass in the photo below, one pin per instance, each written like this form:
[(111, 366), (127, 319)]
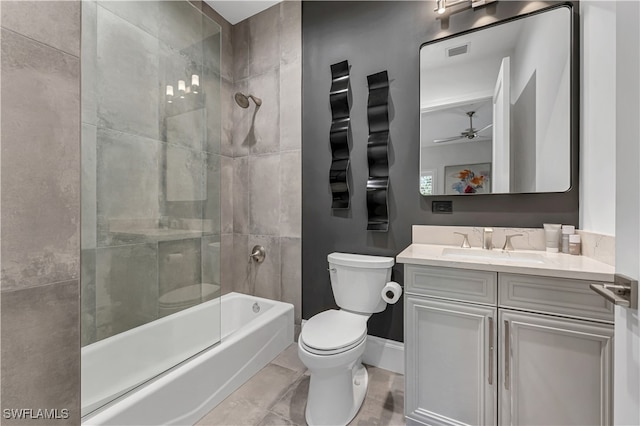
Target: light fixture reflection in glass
[(441, 6), (169, 93), (181, 88), (195, 82)]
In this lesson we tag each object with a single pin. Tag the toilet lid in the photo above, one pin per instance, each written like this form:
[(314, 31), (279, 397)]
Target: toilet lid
[(334, 329)]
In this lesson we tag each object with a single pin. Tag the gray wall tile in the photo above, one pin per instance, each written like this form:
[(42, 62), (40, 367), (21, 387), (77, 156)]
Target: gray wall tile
[(266, 118), (143, 14), (291, 270), (213, 206), (179, 264), (264, 41), (290, 32), (212, 249), (241, 265), (128, 182), (187, 129), (266, 275), (226, 263), (241, 195), (181, 25), (127, 64), (227, 45), (126, 288), (213, 105), (184, 173), (291, 106), (88, 297), (290, 194), (41, 349), (89, 62), (40, 164), (88, 181), (240, 39), (264, 194), (226, 194), (55, 23), (243, 133), (227, 107)]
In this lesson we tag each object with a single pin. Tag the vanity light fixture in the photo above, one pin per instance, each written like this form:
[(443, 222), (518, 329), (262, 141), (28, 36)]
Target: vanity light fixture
[(441, 5)]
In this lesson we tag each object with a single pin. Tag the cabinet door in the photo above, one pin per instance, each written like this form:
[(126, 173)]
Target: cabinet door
[(554, 371), (451, 368)]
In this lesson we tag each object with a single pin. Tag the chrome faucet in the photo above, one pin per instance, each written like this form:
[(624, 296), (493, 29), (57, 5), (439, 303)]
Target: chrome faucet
[(487, 235), (507, 243), (465, 240)]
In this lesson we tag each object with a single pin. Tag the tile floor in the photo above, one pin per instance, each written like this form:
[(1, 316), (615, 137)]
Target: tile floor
[(277, 395)]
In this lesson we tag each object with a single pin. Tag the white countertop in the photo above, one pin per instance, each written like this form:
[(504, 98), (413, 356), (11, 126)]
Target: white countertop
[(558, 265)]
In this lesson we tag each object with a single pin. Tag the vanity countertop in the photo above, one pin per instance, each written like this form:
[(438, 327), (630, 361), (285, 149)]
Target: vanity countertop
[(528, 262)]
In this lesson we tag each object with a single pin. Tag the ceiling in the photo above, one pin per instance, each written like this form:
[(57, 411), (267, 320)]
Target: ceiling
[(239, 10)]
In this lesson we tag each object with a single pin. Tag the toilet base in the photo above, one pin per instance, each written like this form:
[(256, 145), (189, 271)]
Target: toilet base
[(331, 408)]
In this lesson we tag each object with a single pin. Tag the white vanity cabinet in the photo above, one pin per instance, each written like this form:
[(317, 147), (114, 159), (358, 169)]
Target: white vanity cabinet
[(485, 348)]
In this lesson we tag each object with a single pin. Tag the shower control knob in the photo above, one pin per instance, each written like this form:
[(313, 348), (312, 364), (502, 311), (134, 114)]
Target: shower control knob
[(258, 253)]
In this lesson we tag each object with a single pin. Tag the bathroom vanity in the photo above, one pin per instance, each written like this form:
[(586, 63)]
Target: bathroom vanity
[(494, 337)]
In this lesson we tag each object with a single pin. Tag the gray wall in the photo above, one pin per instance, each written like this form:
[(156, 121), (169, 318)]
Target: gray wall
[(376, 36), (41, 207), (266, 149)]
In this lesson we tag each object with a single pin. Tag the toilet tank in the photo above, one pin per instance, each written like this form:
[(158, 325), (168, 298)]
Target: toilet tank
[(357, 281)]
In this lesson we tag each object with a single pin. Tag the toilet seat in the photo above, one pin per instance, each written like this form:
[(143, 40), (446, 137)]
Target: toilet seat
[(333, 332)]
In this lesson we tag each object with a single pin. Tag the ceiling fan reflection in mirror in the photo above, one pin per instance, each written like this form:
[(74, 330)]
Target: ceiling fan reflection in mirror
[(469, 133)]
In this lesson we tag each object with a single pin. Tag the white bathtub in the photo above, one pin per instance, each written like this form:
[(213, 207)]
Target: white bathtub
[(188, 391)]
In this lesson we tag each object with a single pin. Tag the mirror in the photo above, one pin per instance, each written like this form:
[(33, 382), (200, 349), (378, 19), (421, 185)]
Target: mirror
[(495, 108)]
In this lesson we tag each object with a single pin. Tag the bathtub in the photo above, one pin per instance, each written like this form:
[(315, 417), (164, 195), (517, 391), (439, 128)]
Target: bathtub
[(186, 392)]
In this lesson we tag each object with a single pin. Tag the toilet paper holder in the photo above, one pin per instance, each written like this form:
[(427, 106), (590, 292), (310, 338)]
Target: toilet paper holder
[(391, 292)]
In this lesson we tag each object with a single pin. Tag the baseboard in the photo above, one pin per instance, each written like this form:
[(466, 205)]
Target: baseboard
[(382, 353)]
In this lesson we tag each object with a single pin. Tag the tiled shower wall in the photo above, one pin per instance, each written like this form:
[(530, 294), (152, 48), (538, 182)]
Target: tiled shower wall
[(41, 207), (266, 147)]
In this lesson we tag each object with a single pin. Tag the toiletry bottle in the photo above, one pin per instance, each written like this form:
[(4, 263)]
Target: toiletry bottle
[(566, 231), (552, 236), (574, 244)]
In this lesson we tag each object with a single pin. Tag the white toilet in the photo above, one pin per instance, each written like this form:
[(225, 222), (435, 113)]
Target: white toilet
[(331, 343)]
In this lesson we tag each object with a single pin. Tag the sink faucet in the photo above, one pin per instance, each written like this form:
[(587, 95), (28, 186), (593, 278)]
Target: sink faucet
[(507, 243), (487, 234)]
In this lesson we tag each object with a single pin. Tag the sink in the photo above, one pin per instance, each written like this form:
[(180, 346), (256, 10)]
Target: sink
[(502, 256)]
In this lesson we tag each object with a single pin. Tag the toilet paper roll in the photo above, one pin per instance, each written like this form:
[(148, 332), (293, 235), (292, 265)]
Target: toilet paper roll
[(391, 292)]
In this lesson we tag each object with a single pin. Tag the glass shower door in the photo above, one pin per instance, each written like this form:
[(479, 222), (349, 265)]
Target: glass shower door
[(150, 191)]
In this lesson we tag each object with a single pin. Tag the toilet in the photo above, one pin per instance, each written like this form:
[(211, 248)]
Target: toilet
[(332, 342)]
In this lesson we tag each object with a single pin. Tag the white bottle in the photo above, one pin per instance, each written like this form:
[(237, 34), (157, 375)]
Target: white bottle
[(575, 244), (567, 230)]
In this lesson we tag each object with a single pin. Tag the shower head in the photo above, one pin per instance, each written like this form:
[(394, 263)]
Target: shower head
[(243, 100)]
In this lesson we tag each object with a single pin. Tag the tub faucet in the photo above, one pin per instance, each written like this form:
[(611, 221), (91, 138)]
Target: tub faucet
[(487, 234)]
